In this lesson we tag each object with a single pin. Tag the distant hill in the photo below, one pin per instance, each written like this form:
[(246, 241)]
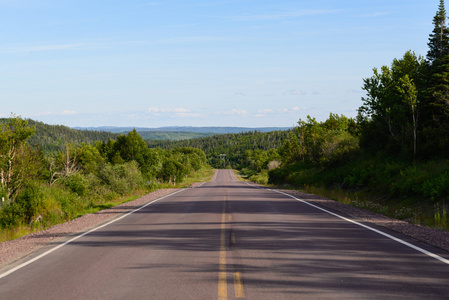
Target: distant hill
[(234, 145), (52, 138), (172, 135), (209, 130)]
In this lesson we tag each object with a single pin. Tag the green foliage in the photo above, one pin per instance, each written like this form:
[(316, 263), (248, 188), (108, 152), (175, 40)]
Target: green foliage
[(173, 135), (77, 183), (18, 162), (390, 109), (321, 143), (233, 145), (122, 179), (439, 38), (53, 138)]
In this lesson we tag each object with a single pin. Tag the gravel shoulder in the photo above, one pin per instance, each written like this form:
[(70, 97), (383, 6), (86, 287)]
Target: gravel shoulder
[(434, 237), (12, 251)]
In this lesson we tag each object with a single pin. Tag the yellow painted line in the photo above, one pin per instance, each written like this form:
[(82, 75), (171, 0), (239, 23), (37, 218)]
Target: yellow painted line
[(233, 238), (222, 287), (230, 218), (238, 286)]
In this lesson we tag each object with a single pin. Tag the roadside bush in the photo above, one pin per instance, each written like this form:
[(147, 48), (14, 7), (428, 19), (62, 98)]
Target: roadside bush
[(11, 215), (77, 183), (436, 188), (123, 178)]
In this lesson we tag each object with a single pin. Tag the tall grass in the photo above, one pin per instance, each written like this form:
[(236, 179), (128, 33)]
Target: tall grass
[(40, 206)]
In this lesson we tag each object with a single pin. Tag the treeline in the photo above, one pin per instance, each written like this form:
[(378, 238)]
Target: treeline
[(172, 135), (39, 190), (53, 138), (237, 147)]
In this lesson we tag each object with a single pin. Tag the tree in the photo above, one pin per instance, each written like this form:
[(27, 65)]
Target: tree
[(439, 38), (409, 94), (14, 155), (391, 107), (435, 106)]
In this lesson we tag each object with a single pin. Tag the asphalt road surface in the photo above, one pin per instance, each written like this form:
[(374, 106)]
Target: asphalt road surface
[(230, 240)]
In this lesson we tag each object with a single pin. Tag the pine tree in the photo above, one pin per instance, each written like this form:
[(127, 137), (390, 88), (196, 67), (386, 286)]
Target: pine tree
[(439, 38)]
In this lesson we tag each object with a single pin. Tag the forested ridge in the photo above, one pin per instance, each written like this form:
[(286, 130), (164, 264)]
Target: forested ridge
[(53, 138), (235, 146), (172, 135)]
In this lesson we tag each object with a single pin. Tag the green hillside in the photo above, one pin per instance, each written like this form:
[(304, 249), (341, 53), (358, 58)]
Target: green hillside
[(173, 135)]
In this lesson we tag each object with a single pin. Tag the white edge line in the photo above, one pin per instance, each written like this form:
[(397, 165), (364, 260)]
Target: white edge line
[(433, 255), (81, 235), (370, 228)]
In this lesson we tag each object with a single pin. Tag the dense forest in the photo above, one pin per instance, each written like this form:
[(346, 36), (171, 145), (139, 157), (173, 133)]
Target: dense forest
[(173, 135), (53, 138), (236, 146), (40, 189)]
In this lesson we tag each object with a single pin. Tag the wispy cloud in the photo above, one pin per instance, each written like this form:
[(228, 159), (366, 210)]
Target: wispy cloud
[(168, 110), (265, 111), (51, 113), (68, 112), (179, 112), (295, 93), (24, 49), (284, 15), (376, 14), (233, 112), (291, 110)]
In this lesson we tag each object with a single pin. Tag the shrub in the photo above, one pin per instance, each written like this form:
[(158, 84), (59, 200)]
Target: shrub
[(123, 178), (77, 183)]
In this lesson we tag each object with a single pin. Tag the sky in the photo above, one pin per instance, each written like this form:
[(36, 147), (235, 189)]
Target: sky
[(247, 63)]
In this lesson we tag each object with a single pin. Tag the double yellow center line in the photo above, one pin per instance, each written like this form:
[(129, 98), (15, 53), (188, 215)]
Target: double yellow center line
[(222, 276)]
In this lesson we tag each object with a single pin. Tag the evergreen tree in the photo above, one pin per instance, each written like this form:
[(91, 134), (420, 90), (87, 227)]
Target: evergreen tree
[(439, 39)]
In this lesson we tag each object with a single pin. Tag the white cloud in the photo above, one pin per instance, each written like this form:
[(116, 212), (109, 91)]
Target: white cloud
[(296, 92), (178, 112), (265, 111), (168, 110), (236, 112), (290, 110), (68, 112), (187, 115)]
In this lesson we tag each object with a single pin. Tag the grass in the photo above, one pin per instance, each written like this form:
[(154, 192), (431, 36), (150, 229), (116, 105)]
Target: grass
[(93, 208), (408, 209), (11, 233), (202, 175), (7, 234)]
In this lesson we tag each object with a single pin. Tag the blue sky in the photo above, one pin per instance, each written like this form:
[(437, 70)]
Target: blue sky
[(199, 62)]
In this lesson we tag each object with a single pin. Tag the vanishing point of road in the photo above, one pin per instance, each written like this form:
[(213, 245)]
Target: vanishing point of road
[(227, 239)]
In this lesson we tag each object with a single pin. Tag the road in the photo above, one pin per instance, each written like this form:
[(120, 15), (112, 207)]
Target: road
[(230, 240)]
